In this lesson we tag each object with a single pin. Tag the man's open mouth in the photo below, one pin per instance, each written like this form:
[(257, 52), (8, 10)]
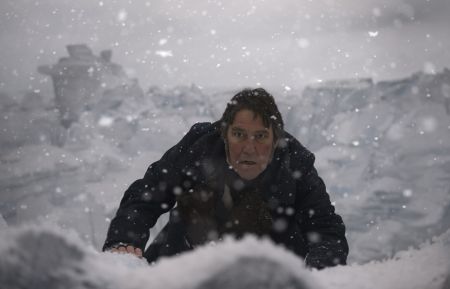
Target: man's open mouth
[(249, 163)]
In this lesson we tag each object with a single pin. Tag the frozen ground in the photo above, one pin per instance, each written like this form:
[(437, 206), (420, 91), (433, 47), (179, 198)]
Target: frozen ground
[(382, 148)]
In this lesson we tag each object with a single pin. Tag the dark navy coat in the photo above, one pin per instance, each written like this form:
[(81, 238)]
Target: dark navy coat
[(304, 219)]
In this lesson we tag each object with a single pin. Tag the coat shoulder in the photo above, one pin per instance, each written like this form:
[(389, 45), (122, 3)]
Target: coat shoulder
[(203, 127), (195, 133), (197, 143), (202, 130), (298, 154)]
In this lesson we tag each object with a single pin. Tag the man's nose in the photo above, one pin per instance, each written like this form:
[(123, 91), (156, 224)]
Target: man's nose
[(249, 146)]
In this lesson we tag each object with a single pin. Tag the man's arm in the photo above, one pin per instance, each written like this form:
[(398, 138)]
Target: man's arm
[(147, 198), (142, 204), (322, 228)]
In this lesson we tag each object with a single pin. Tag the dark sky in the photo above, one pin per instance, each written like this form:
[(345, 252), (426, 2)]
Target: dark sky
[(231, 43)]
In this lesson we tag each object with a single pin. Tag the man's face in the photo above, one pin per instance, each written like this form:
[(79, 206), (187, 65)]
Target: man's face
[(250, 144)]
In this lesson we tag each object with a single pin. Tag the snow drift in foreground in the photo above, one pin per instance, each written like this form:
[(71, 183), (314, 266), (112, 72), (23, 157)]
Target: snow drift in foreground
[(48, 258)]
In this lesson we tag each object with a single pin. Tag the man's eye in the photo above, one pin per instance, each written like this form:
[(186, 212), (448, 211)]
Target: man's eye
[(260, 136), (238, 134)]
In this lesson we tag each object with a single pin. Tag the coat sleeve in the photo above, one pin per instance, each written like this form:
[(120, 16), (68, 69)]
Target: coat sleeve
[(322, 229), (148, 198)]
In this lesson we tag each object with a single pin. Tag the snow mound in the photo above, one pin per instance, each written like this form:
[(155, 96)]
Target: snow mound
[(248, 272), (48, 258), (44, 257), (250, 263), (425, 267)]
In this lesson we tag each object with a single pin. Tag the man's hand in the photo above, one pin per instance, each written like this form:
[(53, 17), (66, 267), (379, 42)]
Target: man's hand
[(122, 249)]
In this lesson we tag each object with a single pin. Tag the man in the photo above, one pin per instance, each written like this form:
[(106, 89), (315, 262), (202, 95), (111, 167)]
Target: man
[(240, 175)]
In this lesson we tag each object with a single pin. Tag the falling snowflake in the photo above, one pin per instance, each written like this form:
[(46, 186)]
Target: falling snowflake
[(105, 121), (122, 15), (164, 53), (407, 193)]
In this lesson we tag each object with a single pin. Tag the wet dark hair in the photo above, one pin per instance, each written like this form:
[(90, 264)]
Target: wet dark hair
[(258, 101)]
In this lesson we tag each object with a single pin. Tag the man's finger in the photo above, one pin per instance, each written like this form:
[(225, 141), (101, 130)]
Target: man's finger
[(114, 250), (130, 249)]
